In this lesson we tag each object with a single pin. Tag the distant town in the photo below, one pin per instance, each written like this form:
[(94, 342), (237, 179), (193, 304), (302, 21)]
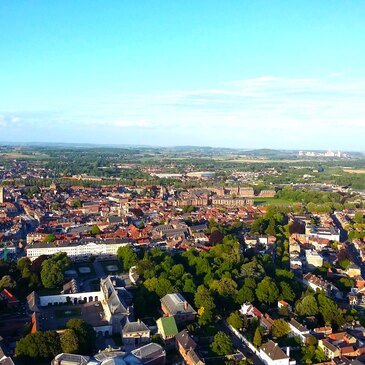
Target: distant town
[(186, 255)]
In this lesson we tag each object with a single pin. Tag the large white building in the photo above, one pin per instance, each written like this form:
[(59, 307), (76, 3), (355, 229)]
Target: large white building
[(271, 354), (327, 233), (82, 248)]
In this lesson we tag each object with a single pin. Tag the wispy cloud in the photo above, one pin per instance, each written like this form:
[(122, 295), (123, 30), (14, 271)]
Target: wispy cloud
[(303, 111)]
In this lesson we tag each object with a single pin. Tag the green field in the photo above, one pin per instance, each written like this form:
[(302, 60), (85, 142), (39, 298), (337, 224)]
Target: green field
[(23, 156), (272, 201)]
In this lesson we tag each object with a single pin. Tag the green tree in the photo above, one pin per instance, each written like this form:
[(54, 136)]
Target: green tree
[(84, 333), (127, 257), (267, 291), (95, 230), (205, 302), (163, 287), (7, 282), (53, 269), (245, 295), (359, 217), (23, 264), (225, 287), (177, 271), (51, 344), (270, 230), (69, 341), (329, 310), (235, 320), (27, 347), (189, 286), (49, 238), (222, 344), (257, 338), (77, 203), (280, 328), (287, 292), (307, 306), (39, 345)]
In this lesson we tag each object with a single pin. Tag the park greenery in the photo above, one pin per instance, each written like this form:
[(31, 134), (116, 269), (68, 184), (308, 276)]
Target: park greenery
[(218, 281), (78, 338)]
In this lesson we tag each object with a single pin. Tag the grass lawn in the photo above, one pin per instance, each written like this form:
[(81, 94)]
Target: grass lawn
[(84, 269), (21, 156), (272, 201), (111, 267), (65, 313)]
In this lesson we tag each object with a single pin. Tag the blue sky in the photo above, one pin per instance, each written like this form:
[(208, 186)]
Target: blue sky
[(250, 74)]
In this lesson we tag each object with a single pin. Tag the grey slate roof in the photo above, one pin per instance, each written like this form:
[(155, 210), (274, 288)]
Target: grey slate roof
[(149, 352), (138, 326), (298, 325), (112, 298), (7, 361), (32, 300), (273, 350), (184, 339), (198, 228), (71, 359), (176, 304)]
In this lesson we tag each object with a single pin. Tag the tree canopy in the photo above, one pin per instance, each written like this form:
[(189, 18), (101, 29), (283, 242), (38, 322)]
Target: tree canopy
[(53, 269)]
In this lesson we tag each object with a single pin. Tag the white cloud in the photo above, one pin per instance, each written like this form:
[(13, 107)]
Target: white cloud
[(260, 111)]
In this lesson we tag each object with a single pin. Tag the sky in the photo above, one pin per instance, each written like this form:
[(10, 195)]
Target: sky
[(281, 74)]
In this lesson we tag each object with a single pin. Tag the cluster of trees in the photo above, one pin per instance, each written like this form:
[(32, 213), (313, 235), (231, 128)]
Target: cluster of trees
[(357, 229), (217, 281), (315, 201), (53, 270), (321, 306), (127, 257), (222, 344), (78, 338), (271, 224), (24, 276), (21, 277)]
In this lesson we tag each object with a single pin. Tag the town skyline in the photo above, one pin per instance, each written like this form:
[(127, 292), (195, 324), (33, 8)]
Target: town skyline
[(152, 146)]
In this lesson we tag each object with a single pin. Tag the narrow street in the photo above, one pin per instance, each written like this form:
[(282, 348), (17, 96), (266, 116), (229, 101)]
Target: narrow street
[(237, 343)]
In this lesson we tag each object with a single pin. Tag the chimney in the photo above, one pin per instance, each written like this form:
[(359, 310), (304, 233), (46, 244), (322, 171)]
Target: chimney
[(185, 305), (288, 351)]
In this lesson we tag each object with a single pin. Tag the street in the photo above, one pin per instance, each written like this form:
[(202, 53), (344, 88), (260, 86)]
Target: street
[(222, 326)]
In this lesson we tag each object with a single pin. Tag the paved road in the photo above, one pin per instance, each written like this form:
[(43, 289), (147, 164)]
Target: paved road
[(222, 326)]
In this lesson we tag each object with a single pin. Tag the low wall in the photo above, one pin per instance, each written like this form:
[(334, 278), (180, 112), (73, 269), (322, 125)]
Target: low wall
[(244, 340), (73, 298)]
